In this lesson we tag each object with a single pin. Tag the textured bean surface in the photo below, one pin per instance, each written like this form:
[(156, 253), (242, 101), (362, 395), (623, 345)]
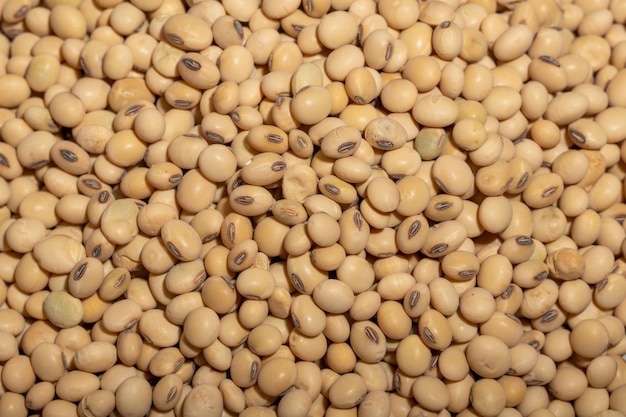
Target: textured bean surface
[(287, 208)]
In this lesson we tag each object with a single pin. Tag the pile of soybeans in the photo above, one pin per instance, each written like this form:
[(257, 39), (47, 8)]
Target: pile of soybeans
[(312, 208)]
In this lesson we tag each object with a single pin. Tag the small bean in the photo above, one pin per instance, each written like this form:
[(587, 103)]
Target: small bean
[(264, 169), (443, 238), (334, 297), (488, 356), (183, 31), (557, 114), (435, 111), (48, 361), (100, 402), (181, 240), (166, 362), (477, 305), (447, 40), (393, 320), (600, 370), (333, 22), (368, 341), (513, 42), (39, 395), (75, 385), (434, 330), (219, 294), (589, 330), (62, 309), (488, 397), (155, 328), (96, 357), (114, 284), (413, 356), (443, 207), (543, 190), (134, 396), (341, 142), (277, 376), (307, 316), (430, 392), (452, 175), (129, 347), (250, 200)]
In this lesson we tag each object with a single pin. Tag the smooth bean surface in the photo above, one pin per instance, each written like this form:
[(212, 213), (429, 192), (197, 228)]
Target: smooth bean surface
[(308, 208)]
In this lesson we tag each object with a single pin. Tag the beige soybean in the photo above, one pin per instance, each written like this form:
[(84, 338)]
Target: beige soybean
[(368, 341), (600, 370), (114, 284), (477, 305), (277, 376), (513, 42), (431, 393), (452, 175), (39, 395), (443, 238), (75, 385), (121, 315), (393, 320), (447, 40), (24, 233), (589, 330), (336, 29), (40, 204), (333, 296), (154, 327), (250, 200), (181, 240), (435, 111), (488, 397), (9, 345), (95, 357), (601, 194), (99, 402), (264, 169), (307, 316), (134, 396), (165, 362), (504, 326), (564, 163), (416, 300), (383, 195), (119, 221), (608, 292), (434, 330), (48, 361), (184, 30), (347, 391), (340, 142), (488, 356), (543, 190), (443, 296), (219, 294), (538, 300), (185, 277), (129, 346), (423, 71), (557, 114)]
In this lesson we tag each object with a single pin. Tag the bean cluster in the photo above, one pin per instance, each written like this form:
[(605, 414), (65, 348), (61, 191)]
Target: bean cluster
[(339, 208)]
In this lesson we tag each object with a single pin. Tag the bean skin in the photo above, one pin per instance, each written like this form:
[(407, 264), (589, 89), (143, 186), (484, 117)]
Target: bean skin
[(317, 207)]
